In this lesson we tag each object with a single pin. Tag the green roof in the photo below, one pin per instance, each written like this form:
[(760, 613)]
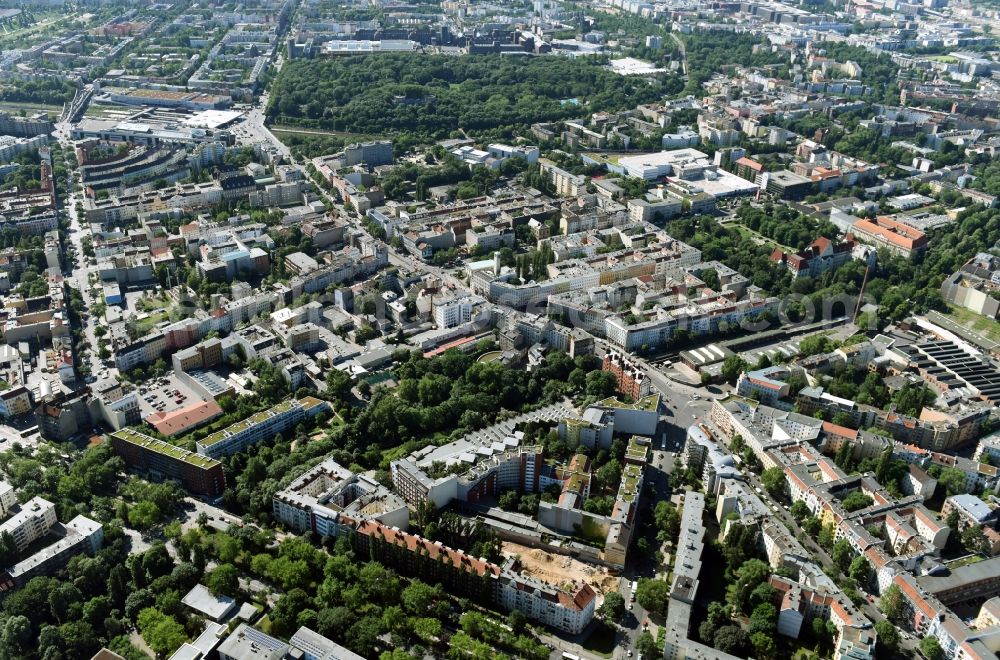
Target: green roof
[(307, 403), (159, 446), (629, 489), (648, 403), (635, 449)]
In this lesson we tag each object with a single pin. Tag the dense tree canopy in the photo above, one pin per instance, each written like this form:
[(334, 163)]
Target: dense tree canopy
[(366, 94)]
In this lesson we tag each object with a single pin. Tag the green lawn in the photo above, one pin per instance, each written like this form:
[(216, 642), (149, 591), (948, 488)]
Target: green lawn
[(756, 237), (607, 158), (30, 108), (151, 304), (989, 328), (148, 323), (965, 561)]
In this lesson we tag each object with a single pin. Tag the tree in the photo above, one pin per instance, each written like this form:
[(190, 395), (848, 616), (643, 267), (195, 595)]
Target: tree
[(763, 645), (338, 383), (223, 580), (974, 540), (860, 570), (64, 602), (856, 500), (718, 616), (888, 637), (814, 345), (931, 648), (77, 639), (799, 510), (601, 384), (762, 593), (420, 598), (144, 515), (16, 637), (841, 554), (774, 481), (428, 629), (891, 603), (284, 615), (953, 480), (667, 518), (732, 367), (517, 619), (750, 575), (612, 608), (826, 535), (645, 644), (764, 619), (8, 549), (609, 475), (740, 543), (161, 632), (653, 595), (731, 639)]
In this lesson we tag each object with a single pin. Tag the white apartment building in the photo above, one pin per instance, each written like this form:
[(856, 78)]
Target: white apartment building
[(453, 311), (7, 499), (505, 151), (265, 424), (544, 603), (31, 522), (15, 401)]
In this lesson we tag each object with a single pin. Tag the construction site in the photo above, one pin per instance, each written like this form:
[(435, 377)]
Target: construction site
[(560, 570)]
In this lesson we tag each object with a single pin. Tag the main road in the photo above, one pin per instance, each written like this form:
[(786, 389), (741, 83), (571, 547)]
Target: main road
[(79, 271)]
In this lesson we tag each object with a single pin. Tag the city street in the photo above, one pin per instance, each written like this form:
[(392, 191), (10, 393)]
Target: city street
[(870, 610)]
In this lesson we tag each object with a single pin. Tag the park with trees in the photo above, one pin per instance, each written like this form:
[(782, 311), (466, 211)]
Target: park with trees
[(420, 97)]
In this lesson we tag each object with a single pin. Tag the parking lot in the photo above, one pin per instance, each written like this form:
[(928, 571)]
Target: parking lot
[(165, 394)]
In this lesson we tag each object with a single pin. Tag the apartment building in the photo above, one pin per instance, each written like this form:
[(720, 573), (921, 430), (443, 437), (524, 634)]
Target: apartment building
[(113, 405), (569, 608), (15, 401), (30, 522), (142, 351), (8, 499), (820, 256), (80, 535), (503, 465), (265, 424), (317, 647), (943, 432), (971, 510), (800, 604), (708, 458), (564, 183), (680, 638), (768, 385), (451, 310), (199, 474), (895, 236), (313, 501), (61, 416), (632, 380), (928, 616)]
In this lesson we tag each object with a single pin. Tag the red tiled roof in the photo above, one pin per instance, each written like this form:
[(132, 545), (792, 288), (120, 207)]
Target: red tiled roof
[(414, 543), (894, 232), (578, 600), (751, 163), (764, 383), (177, 421), (840, 431), (914, 596)]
